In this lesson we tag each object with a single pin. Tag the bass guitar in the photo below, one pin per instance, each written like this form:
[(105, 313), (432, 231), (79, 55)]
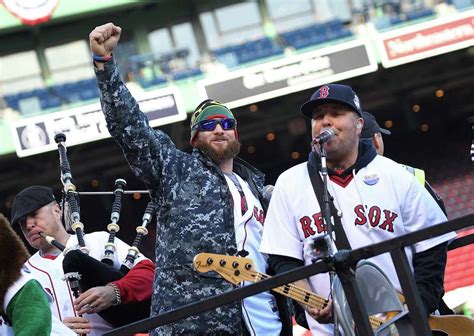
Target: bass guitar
[(237, 269)]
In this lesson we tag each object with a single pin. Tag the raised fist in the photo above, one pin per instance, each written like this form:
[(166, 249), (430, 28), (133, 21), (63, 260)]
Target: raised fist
[(103, 39)]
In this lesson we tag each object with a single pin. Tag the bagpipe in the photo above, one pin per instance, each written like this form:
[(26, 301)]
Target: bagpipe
[(83, 271)]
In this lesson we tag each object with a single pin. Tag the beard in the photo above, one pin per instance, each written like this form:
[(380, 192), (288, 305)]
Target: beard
[(339, 150), (219, 155)]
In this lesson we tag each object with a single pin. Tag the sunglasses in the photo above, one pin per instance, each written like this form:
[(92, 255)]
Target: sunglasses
[(211, 124)]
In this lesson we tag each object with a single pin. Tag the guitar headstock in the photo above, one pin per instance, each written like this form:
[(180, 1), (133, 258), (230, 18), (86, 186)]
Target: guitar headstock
[(233, 269)]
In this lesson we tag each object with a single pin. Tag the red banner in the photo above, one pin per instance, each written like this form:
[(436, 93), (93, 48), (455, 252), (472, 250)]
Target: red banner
[(31, 12), (427, 39), (430, 38)]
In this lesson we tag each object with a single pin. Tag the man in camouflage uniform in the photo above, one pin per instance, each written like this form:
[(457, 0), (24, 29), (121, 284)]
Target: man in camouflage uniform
[(193, 193)]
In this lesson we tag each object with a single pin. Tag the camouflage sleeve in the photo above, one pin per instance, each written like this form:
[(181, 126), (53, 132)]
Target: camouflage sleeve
[(145, 149)]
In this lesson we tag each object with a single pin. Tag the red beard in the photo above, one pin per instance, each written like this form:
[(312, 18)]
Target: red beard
[(219, 155)]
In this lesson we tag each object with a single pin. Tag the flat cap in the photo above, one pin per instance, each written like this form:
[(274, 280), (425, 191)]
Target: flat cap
[(29, 200)]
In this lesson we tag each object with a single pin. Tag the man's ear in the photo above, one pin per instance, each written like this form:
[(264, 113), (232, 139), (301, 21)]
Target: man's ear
[(57, 209), (376, 140)]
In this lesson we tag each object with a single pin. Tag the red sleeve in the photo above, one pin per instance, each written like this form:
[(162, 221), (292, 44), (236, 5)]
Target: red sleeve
[(137, 285)]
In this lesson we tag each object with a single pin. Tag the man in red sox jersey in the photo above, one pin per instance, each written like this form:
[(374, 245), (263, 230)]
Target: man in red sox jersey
[(35, 210), (376, 198)]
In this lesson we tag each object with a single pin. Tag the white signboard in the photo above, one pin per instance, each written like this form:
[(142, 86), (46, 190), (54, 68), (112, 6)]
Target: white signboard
[(87, 123), (291, 74)]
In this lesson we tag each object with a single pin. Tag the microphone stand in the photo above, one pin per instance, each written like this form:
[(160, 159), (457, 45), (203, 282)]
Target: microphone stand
[(327, 218)]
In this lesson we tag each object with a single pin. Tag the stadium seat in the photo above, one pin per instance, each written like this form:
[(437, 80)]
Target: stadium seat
[(177, 75), (24, 94), (315, 34), (267, 47), (87, 84), (56, 95), (386, 21), (249, 51), (462, 4), (50, 102), (152, 81), (417, 14), (226, 56), (298, 38), (12, 101), (88, 93)]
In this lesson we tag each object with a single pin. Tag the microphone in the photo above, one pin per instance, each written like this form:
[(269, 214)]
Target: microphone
[(268, 191), (323, 137)]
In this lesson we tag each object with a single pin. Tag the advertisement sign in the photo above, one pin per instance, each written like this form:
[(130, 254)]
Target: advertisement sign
[(427, 39), (291, 74), (87, 123)]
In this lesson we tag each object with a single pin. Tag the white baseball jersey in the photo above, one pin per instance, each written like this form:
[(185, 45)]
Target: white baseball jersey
[(381, 201), (260, 311), (50, 274), (57, 327)]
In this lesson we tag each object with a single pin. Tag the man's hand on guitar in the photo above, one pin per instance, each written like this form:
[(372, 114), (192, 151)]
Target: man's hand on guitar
[(321, 315)]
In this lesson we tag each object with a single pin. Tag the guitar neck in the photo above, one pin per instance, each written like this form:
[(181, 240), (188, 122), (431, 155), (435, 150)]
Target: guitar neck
[(307, 298), (238, 269), (297, 293)]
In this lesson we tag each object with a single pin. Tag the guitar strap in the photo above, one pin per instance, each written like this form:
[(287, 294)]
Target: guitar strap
[(341, 241), (444, 309)]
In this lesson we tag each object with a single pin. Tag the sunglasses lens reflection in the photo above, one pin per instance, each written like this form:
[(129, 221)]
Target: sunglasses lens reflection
[(210, 125)]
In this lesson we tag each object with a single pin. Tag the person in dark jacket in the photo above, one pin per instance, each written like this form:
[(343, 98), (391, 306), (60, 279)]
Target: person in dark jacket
[(209, 201)]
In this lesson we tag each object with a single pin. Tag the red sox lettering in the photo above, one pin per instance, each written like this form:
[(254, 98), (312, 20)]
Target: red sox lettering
[(377, 218), (316, 220), (259, 215), (323, 92)]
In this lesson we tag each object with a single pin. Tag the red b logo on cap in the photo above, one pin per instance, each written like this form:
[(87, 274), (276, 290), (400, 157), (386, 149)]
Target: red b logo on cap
[(324, 92)]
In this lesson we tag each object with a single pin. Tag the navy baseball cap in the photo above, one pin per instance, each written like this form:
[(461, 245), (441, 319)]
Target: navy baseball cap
[(371, 126), (332, 93), (29, 200)]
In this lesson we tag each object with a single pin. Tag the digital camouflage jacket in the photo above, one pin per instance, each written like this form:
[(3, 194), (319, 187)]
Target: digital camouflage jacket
[(195, 213)]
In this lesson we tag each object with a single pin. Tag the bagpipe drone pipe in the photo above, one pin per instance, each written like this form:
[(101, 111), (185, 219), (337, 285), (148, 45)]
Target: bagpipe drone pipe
[(83, 271)]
